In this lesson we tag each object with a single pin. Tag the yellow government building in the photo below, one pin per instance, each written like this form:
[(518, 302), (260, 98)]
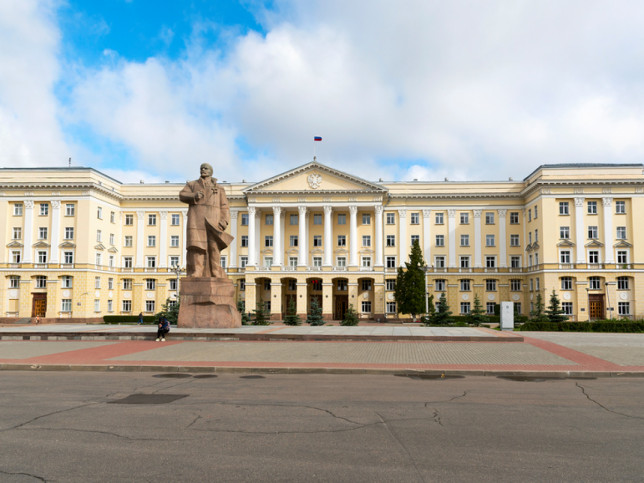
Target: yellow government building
[(79, 244)]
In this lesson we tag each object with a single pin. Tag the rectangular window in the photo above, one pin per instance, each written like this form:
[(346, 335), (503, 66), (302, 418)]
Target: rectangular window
[(149, 306), (152, 240), (566, 307), (17, 233), (244, 240), (564, 232), (390, 218), (127, 284), (536, 212), (14, 281), (564, 256), (152, 219), (41, 281), (97, 282), (317, 240), (622, 283), (268, 241), (490, 261), (390, 262), (15, 256), (415, 239), (439, 261), (67, 281), (489, 308), (620, 207), (623, 308), (514, 241), (174, 261), (112, 216), (174, 241), (128, 241), (440, 284), (242, 285), (489, 218), (342, 219), (42, 256), (514, 218), (564, 208), (622, 256), (465, 218), (341, 261), (44, 209), (592, 207), (465, 285), (243, 261), (465, 308), (391, 240), (440, 240), (110, 283), (366, 262), (174, 219), (68, 257), (342, 241), (99, 213), (150, 284), (111, 238), (391, 308), (438, 219), (151, 262), (366, 306), (593, 256), (293, 240), (110, 306), (366, 240), (293, 219), (415, 218), (268, 220), (592, 232), (42, 233), (530, 215), (66, 305), (99, 236), (621, 233), (594, 283), (129, 220), (366, 219), (515, 285), (566, 283), (126, 306), (464, 261), (390, 284), (489, 240), (317, 262), (97, 305), (17, 209), (490, 285), (465, 240), (244, 219), (70, 209)]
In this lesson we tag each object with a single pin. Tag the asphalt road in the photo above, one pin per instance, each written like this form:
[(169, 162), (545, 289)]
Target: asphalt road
[(74, 426)]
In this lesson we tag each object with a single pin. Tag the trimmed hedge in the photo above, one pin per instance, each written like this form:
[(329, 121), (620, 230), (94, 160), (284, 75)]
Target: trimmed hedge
[(127, 319), (597, 326)]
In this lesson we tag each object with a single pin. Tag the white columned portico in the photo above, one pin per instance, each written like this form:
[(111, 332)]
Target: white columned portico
[(140, 238), (252, 239), (402, 237), (328, 236), (379, 241), (427, 234), (353, 236), (502, 243), (477, 239), (234, 214), (580, 230), (277, 236), (55, 230), (301, 239), (451, 230), (27, 256), (163, 239), (609, 256)]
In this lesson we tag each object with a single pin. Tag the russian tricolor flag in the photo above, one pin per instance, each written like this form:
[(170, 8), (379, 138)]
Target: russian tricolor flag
[(317, 138)]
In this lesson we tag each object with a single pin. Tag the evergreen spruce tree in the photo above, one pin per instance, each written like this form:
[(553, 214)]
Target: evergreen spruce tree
[(554, 312), (442, 316), (261, 315), (350, 317), (410, 284), (170, 311), (477, 315), (537, 314), (315, 315), (291, 314), (241, 308)]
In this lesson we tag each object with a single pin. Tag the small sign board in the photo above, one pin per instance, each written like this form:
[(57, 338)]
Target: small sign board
[(507, 315)]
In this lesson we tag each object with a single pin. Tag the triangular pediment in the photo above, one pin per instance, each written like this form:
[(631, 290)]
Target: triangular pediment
[(41, 244), (67, 244), (594, 244), (565, 243), (100, 246), (622, 244), (314, 178), (14, 244), (113, 250)]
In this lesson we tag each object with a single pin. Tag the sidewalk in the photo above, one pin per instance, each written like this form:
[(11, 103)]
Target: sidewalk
[(330, 349)]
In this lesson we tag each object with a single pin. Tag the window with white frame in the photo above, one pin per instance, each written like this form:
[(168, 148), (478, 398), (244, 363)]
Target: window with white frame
[(464, 261), (390, 284), (465, 285), (317, 262), (99, 236), (366, 262), (127, 262), (592, 232), (536, 235), (127, 284), (366, 285), (42, 256), (112, 217), (465, 308), (268, 241), (515, 284), (342, 241), (129, 220), (293, 240), (621, 233), (390, 262), (439, 261), (391, 308), (269, 219), (622, 256), (44, 209), (99, 213), (175, 219), (592, 207), (292, 261), (440, 240), (16, 233), (623, 308), (68, 257), (489, 218), (16, 256), (514, 240), (151, 261), (391, 240), (69, 233), (173, 284), (149, 306), (67, 281), (14, 281), (415, 239), (564, 256), (70, 209), (152, 240), (489, 308), (174, 261), (514, 218), (564, 208), (223, 261), (41, 281), (317, 240), (17, 209), (366, 306), (490, 285), (536, 212), (111, 238), (110, 262), (439, 218), (366, 219), (366, 240), (110, 283), (390, 218), (174, 241), (515, 261), (242, 285), (464, 218), (594, 283), (66, 305), (564, 232), (620, 207), (317, 219), (489, 240), (342, 219), (97, 282), (536, 284), (243, 220), (110, 306), (529, 238), (566, 283), (414, 218), (42, 233), (465, 240), (243, 261), (244, 241), (341, 261), (440, 284), (593, 256), (490, 261), (622, 283), (97, 305), (152, 219), (126, 306), (566, 308), (150, 283)]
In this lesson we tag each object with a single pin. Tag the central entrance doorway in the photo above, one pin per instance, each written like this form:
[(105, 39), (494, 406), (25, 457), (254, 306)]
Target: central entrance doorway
[(596, 306), (39, 305)]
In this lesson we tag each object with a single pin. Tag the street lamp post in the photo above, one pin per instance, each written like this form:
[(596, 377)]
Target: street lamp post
[(177, 271)]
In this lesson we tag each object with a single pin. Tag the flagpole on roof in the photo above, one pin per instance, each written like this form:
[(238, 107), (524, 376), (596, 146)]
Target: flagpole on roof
[(315, 139)]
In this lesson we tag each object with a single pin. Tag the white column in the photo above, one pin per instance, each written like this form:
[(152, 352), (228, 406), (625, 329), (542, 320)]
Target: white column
[(608, 230), (477, 239), (328, 236), (403, 243), (278, 251), (55, 230), (580, 230), (379, 237), (427, 237), (283, 233), (451, 233), (163, 239), (503, 263), (258, 241), (301, 238), (353, 236), (27, 256), (184, 251), (234, 215), (252, 241), (140, 238)]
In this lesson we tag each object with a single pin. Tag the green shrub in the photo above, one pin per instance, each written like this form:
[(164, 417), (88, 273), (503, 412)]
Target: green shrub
[(350, 317), (596, 326)]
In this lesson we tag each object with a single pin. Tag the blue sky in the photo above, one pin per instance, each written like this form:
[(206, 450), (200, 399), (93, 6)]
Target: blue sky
[(468, 90)]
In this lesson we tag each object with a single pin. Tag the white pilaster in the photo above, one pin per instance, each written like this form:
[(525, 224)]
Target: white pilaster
[(379, 237), (502, 243), (140, 238), (427, 235), (163, 239), (451, 231), (184, 251), (328, 236), (301, 239), (278, 251), (580, 230), (252, 240), (403, 243), (259, 243), (608, 230), (232, 262), (55, 231), (477, 239), (27, 256), (353, 236)]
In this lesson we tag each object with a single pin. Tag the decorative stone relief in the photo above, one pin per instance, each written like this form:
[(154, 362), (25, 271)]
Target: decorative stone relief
[(314, 180)]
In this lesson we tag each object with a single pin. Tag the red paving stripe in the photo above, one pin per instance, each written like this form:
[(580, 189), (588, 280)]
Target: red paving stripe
[(573, 355)]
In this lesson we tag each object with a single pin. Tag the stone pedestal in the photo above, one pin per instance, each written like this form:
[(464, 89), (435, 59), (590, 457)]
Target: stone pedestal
[(208, 303)]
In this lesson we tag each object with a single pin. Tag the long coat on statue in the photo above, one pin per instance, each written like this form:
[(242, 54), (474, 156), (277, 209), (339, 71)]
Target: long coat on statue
[(207, 217)]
